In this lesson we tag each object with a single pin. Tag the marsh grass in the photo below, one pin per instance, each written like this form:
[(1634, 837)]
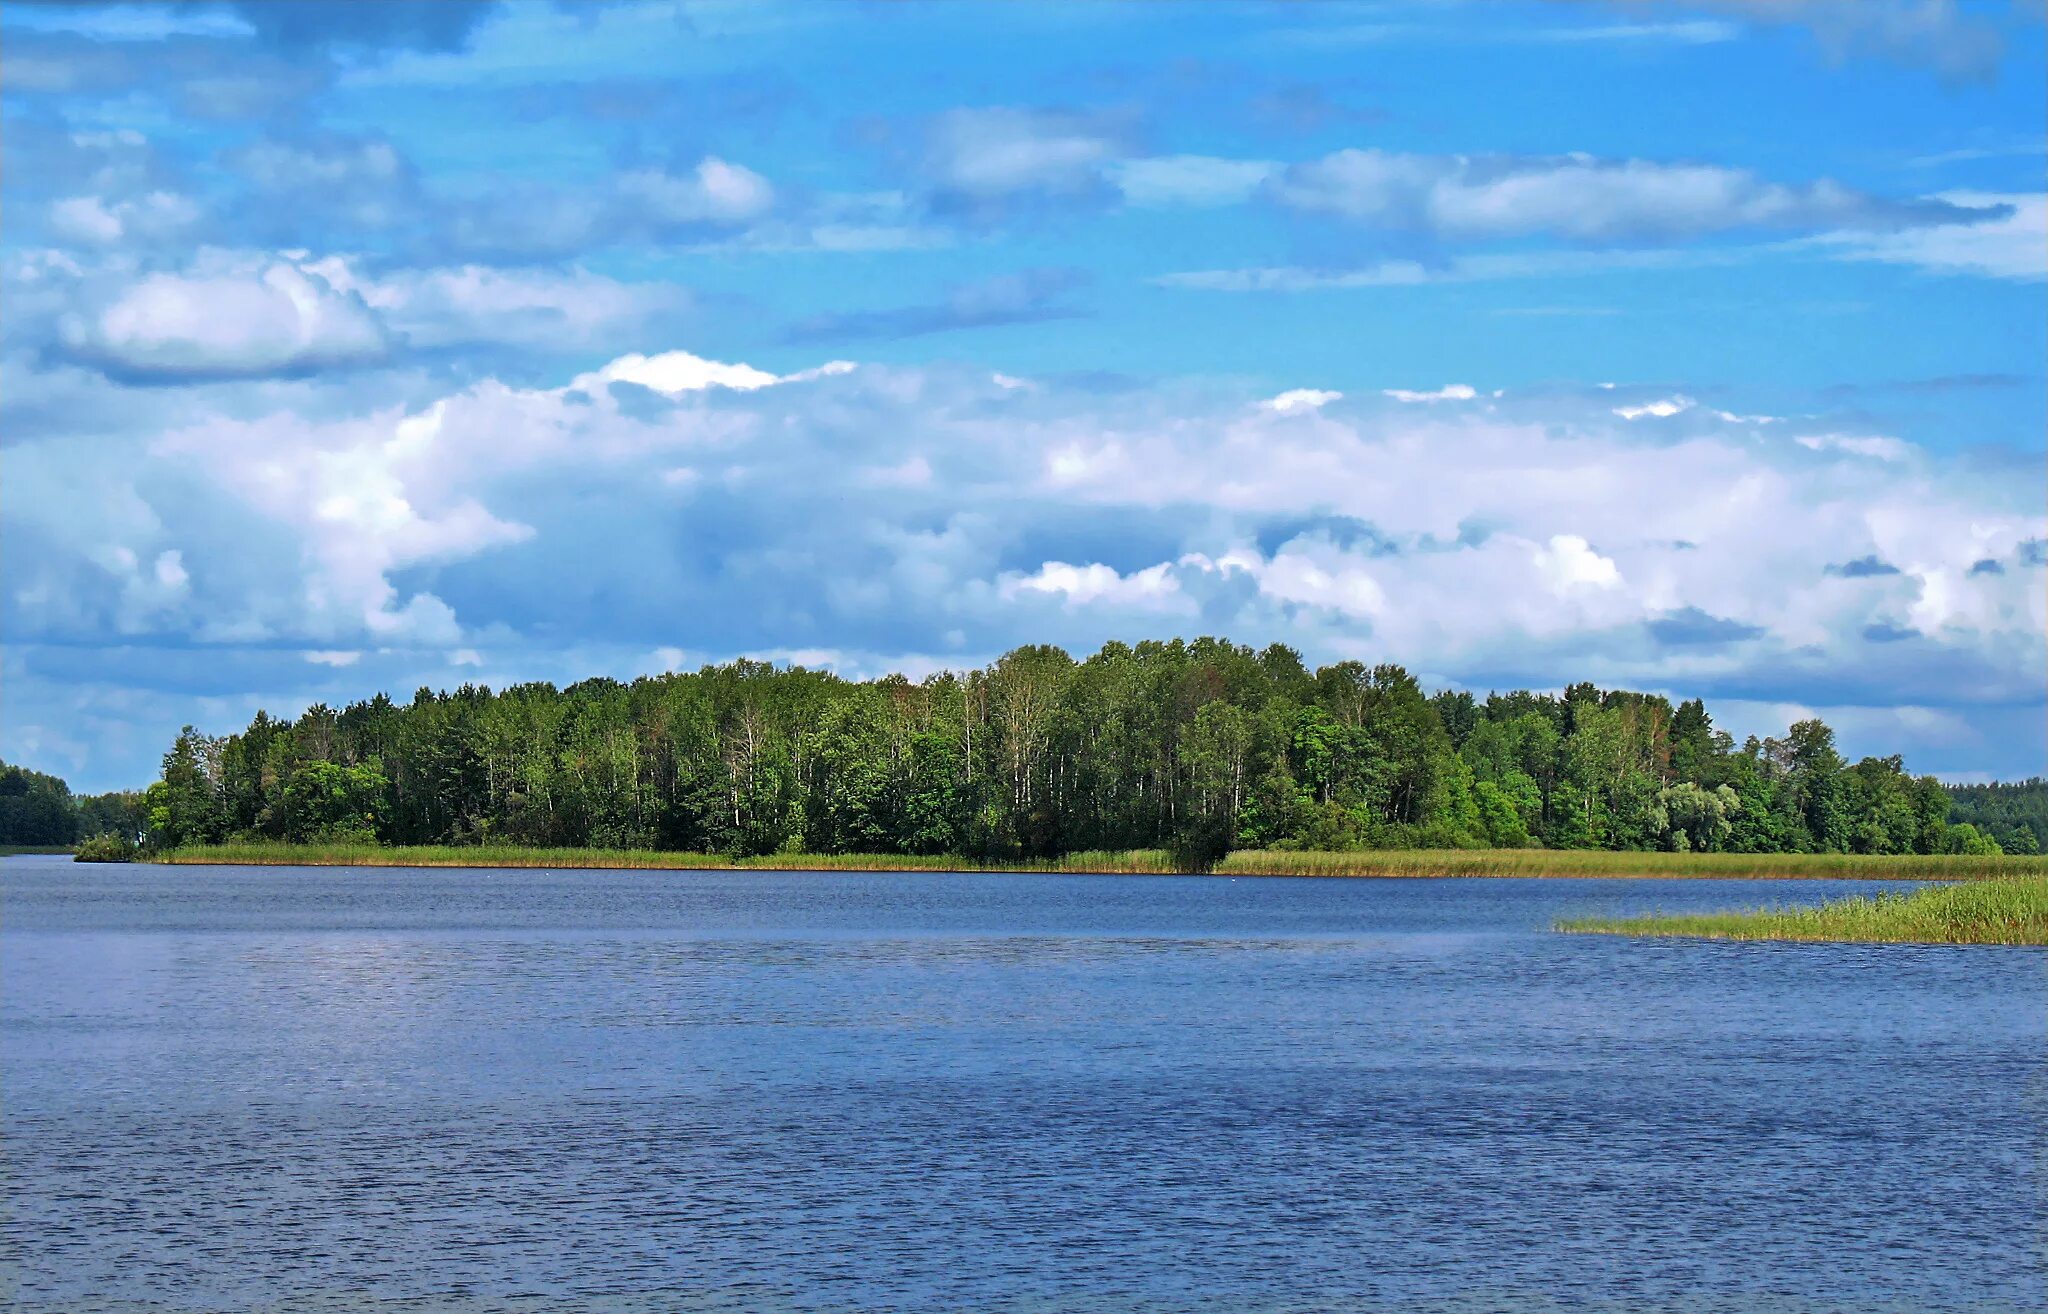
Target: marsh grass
[(1665, 866), (2005, 911), (1135, 861), (1409, 863)]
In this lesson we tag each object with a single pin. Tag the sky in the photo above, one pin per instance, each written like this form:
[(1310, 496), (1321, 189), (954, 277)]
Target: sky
[(1692, 346)]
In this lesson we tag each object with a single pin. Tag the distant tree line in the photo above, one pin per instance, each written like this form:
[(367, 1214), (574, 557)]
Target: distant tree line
[(2015, 815), (40, 811), (1199, 747)]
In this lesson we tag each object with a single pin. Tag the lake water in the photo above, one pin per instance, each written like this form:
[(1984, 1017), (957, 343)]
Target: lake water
[(260, 1089)]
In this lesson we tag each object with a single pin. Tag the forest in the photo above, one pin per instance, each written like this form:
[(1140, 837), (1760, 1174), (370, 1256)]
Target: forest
[(1198, 747), (40, 811), (2014, 815)]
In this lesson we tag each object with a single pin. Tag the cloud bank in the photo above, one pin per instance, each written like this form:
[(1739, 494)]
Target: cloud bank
[(890, 515)]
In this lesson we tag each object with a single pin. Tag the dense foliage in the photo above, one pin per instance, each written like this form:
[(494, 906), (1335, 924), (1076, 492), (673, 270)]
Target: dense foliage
[(2015, 815), (39, 811), (1197, 747), (106, 848)]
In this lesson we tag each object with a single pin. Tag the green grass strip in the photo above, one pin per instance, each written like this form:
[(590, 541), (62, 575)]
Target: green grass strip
[(2008, 911), (1665, 866), (1135, 861), (1410, 863)]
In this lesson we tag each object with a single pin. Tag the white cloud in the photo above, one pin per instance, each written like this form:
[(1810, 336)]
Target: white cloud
[(2014, 247), (1663, 408), (979, 156), (1502, 544), (238, 323), (1580, 197), (715, 192), (148, 218), (554, 310), (679, 371), (1153, 588), (1189, 180), (1568, 562), (1301, 399), (1875, 446), (1449, 392)]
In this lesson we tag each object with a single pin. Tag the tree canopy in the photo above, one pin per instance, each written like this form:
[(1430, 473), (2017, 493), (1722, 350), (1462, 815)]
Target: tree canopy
[(1199, 746), (40, 811)]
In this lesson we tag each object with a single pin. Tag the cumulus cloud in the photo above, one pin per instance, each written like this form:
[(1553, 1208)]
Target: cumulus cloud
[(1486, 534), (1584, 198), (1569, 562), (672, 500), (1152, 589), (231, 324)]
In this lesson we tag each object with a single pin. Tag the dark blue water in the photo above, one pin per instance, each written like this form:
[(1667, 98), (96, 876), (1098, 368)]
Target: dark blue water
[(464, 1091)]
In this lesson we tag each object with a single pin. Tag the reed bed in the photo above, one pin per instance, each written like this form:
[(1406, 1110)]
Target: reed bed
[(1666, 866), (1404, 863), (1135, 861), (2006, 911)]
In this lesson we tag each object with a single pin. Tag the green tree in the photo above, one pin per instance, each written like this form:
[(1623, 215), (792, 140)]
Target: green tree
[(327, 801)]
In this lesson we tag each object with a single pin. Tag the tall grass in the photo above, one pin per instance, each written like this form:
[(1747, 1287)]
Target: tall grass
[(2008, 911), (1589, 862), (271, 854), (1418, 862)]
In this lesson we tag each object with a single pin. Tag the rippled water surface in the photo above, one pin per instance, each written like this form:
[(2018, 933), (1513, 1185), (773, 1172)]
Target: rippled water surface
[(258, 1089)]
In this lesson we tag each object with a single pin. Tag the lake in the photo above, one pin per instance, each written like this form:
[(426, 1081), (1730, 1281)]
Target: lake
[(303, 1089)]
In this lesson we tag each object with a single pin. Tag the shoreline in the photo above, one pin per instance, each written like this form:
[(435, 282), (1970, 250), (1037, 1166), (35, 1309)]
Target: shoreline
[(1416, 864)]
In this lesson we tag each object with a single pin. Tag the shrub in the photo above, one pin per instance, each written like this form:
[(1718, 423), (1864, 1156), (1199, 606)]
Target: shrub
[(105, 848)]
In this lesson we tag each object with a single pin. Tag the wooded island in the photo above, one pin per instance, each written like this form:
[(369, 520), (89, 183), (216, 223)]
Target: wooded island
[(1195, 748)]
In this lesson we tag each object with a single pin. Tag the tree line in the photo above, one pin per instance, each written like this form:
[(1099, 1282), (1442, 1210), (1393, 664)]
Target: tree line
[(40, 811), (2013, 814), (1197, 747)]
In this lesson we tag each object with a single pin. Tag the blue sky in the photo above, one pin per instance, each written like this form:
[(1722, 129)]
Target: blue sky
[(1689, 346)]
